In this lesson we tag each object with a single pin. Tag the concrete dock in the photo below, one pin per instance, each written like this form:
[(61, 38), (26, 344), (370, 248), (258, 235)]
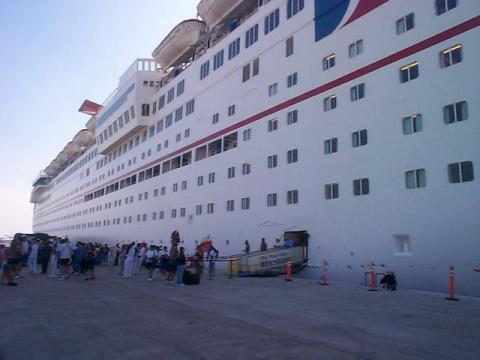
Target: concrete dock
[(241, 318)]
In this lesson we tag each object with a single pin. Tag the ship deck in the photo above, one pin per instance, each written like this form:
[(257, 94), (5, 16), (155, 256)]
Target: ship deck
[(242, 318)]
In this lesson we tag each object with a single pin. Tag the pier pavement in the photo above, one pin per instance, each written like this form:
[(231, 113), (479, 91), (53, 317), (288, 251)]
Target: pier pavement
[(241, 318)]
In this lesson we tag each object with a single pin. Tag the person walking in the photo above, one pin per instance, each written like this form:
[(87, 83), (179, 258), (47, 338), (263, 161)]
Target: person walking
[(33, 257), (247, 247), (181, 261)]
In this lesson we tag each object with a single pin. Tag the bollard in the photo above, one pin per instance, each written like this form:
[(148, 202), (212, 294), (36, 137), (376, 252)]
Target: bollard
[(373, 281), (451, 284), (323, 278), (288, 276)]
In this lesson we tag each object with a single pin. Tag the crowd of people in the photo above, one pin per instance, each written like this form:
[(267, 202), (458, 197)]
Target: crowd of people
[(59, 258)]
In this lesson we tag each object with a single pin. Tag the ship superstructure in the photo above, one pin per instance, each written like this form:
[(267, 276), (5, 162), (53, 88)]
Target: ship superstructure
[(353, 120)]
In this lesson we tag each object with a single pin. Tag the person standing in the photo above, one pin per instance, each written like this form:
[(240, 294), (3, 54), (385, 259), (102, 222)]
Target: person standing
[(164, 263), (78, 257), (263, 245), (64, 254), (212, 256), (151, 256), (247, 247), (44, 252), (129, 261), (33, 257), (181, 261), (90, 261), (172, 262)]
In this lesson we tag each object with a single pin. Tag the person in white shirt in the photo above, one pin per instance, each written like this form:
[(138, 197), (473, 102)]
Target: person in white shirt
[(151, 257), (64, 254), (141, 249), (33, 257), (129, 259)]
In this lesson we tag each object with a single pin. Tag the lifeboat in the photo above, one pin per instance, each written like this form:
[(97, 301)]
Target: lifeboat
[(83, 138), (62, 158), (214, 12), (71, 149), (178, 46)]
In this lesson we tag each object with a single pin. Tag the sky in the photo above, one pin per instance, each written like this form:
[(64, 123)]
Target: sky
[(53, 55)]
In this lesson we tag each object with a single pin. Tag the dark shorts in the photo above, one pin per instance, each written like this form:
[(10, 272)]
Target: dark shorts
[(150, 264), (13, 261), (64, 261), (172, 267), (90, 264)]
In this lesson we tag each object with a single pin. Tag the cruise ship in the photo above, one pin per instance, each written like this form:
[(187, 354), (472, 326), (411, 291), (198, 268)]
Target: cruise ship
[(356, 121)]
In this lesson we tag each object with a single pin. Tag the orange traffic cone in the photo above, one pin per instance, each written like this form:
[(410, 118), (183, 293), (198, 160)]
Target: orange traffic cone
[(288, 276)]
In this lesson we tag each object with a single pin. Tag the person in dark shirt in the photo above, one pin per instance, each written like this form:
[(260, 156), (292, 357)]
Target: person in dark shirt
[(181, 261), (44, 253), (247, 247), (263, 245)]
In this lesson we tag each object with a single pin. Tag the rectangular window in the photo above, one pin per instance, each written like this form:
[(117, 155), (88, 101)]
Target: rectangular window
[(161, 102), (168, 120), (246, 168), (183, 212), (455, 112), (294, 7), (412, 124), (180, 87), (247, 134), (272, 161), (292, 117), (199, 180), (132, 114), (145, 109), (231, 110), (230, 205), (211, 178), (272, 125), (186, 133), (292, 80), (355, 48), (175, 187), (174, 213), (198, 210), (170, 95), (292, 156), (245, 203), (292, 197), (330, 146), (179, 114), (155, 193), (289, 46), (330, 103), (190, 107), (218, 60), (409, 72), (161, 215), (331, 191), (405, 23), (273, 90), (204, 70), (159, 126), (256, 67), (272, 200), (272, 21), (451, 56), (184, 185), (361, 187), (442, 6), (210, 208), (329, 61), (246, 73), (215, 118), (415, 179), (251, 36), (359, 138), (460, 172), (162, 190), (233, 49), (231, 172), (357, 92)]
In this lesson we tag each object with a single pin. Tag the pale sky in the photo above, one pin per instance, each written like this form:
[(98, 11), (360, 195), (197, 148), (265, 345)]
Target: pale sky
[(53, 55)]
